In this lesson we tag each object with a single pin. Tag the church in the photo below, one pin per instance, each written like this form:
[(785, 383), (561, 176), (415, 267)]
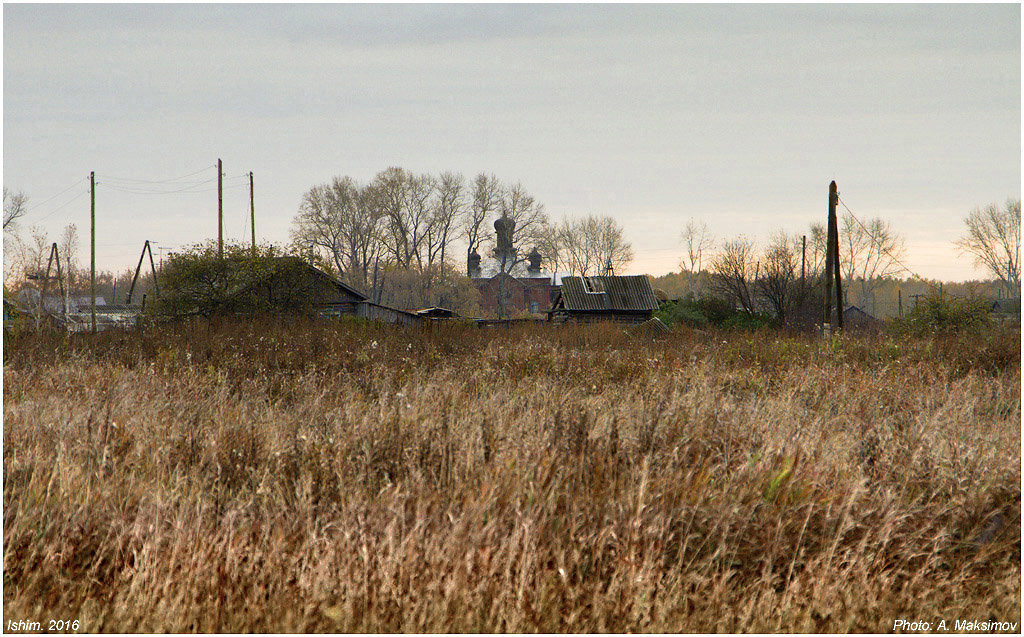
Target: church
[(506, 281)]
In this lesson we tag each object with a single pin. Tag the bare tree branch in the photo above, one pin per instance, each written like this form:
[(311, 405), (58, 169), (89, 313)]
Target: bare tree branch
[(993, 238), (15, 206)]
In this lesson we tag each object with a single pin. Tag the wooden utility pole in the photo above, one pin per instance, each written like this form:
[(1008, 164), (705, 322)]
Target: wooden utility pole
[(252, 215), (92, 245), (832, 261), (152, 268), (803, 261), (146, 247), (54, 256), (899, 301), (220, 210), (838, 271)]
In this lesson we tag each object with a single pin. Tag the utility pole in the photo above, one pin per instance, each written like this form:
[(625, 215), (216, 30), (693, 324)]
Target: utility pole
[(146, 247), (156, 284), (837, 269), (220, 210), (92, 245), (252, 215), (832, 261), (54, 256), (803, 261), (161, 250), (899, 301)]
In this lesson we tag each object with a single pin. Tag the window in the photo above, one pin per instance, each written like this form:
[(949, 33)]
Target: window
[(593, 285), (534, 307)]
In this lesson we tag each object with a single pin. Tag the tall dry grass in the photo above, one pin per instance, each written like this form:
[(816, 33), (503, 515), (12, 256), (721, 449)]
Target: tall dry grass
[(314, 477)]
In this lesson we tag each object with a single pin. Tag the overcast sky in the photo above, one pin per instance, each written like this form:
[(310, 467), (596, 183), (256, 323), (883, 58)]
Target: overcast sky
[(735, 115)]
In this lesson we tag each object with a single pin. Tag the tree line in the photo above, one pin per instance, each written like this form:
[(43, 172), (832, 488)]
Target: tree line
[(396, 237), (401, 238), (785, 276)]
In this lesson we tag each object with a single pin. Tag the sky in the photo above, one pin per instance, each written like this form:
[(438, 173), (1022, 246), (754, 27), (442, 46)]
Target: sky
[(735, 115)]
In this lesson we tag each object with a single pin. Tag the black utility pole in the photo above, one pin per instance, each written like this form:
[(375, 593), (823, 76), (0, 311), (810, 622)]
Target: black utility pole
[(832, 261), (92, 245), (803, 261), (252, 215), (220, 210)]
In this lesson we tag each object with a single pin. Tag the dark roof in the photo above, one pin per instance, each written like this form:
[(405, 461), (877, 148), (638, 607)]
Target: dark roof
[(608, 293), (853, 310), (301, 265), (437, 312), (317, 272)]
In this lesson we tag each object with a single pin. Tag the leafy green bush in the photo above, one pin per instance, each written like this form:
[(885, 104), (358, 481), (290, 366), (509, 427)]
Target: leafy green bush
[(943, 314), (681, 312), (749, 321), (710, 312), (198, 282)]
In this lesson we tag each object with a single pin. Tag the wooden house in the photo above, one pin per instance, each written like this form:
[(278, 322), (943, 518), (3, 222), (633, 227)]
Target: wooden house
[(287, 284), (621, 299)]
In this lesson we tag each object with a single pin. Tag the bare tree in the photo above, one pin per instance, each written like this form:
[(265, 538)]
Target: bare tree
[(15, 206), (340, 224), (448, 207), (68, 249), (26, 258), (818, 244), (778, 275), (610, 245), (872, 252), (404, 200), (318, 225), (697, 239), (552, 249), (485, 198), (593, 244), (365, 238), (993, 238), (734, 272)]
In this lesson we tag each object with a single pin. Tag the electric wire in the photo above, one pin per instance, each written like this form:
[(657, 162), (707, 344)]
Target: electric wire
[(159, 181), (41, 203), (150, 191), (881, 245), (63, 205)]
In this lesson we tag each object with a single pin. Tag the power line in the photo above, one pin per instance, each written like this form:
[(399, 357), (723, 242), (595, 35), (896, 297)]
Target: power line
[(158, 181), (63, 205), (879, 243), (138, 190), (55, 196)]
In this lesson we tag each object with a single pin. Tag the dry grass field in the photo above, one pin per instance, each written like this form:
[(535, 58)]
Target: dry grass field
[(346, 477)]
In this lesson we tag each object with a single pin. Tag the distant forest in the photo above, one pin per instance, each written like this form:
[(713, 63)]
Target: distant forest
[(887, 291)]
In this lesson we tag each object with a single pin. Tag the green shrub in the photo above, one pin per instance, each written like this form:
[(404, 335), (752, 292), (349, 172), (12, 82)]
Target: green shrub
[(943, 314), (712, 312), (682, 312)]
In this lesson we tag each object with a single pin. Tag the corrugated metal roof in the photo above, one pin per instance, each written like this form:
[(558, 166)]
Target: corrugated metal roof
[(608, 293)]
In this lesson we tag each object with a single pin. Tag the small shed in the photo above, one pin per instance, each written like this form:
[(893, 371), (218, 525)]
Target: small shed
[(858, 319), (290, 282), (620, 299)]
